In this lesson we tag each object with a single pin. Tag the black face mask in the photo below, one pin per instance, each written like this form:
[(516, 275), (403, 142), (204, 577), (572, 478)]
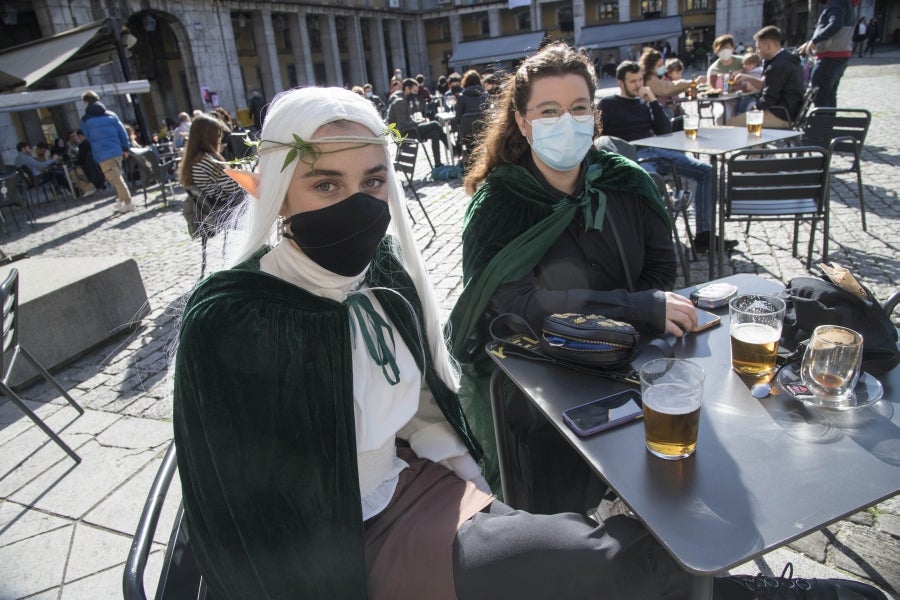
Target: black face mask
[(342, 237), (411, 97)]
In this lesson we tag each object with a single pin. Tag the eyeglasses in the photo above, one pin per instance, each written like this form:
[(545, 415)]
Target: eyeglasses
[(554, 111)]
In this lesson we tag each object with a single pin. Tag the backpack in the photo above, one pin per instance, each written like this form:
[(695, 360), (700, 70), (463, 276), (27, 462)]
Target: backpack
[(814, 301), (446, 172)]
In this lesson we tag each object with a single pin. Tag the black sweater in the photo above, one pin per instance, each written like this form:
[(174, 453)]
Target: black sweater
[(632, 118), (783, 77)]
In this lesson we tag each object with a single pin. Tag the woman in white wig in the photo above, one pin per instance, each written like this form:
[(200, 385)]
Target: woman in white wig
[(321, 445)]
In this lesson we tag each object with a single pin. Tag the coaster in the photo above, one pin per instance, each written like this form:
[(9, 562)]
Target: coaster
[(868, 391)]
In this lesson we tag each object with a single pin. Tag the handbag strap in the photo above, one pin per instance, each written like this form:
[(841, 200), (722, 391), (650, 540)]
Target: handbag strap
[(615, 232)]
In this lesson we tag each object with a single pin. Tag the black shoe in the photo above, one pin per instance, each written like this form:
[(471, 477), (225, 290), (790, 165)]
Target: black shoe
[(760, 587), (701, 242)]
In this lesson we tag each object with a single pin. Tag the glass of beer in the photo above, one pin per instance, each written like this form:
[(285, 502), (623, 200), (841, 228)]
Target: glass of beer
[(755, 330), (672, 390), (755, 122), (832, 362), (691, 125)]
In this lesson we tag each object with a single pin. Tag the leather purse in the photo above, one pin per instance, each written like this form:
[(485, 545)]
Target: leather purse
[(590, 340)]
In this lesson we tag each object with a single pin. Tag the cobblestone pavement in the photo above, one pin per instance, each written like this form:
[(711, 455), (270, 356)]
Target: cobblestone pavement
[(65, 530)]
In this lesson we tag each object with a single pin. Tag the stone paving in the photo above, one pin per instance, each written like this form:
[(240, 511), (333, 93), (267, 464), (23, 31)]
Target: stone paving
[(65, 530)]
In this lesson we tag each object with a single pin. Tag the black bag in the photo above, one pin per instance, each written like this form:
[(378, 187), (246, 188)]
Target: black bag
[(591, 340), (813, 301)]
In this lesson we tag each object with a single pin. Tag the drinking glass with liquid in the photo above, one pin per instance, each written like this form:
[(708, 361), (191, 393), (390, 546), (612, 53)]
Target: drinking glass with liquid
[(755, 330), (691, 126), (671, 391), (755, 122), (832, 362)]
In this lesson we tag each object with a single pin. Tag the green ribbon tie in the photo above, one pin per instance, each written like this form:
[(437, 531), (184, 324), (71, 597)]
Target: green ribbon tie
[(371, 323)]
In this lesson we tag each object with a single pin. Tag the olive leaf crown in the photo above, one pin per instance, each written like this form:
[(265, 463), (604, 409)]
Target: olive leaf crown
[(309, 152)]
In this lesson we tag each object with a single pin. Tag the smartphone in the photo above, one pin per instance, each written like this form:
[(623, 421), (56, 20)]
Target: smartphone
[(604, 413), (705, 320)]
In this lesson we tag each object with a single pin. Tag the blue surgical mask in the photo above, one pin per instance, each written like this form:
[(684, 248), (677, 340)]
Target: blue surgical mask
[(661, 71), (562, 143)]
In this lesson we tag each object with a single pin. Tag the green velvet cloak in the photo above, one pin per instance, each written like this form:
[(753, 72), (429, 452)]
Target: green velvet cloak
[(510, 224), (264, 427)]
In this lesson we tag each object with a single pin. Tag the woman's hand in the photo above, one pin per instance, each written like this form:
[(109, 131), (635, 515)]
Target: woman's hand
[(680, 314)]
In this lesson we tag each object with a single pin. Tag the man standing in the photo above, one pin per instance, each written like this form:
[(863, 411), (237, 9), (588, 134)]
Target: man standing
[(109, 144), (781, 83), (635, 113), (832, 44), (257, 104)]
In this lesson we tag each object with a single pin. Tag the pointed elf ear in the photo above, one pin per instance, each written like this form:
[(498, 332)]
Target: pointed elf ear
[(247, 180)]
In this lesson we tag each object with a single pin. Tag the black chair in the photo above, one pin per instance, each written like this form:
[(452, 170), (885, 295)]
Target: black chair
[(152, 169), (780, 185), (11, 199), (30, 185), (800, 118), (842, 131), (180, 577), (470, 125), (405, 163), (9, 300)]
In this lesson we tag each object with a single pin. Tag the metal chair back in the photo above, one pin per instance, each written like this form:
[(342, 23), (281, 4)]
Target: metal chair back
[(405, 163), (783, 184), (10, 347)]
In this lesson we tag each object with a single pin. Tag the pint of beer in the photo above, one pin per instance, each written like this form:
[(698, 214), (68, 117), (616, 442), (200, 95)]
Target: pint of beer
[(755, 122), (672, 390), (755, 330), (691, 126)]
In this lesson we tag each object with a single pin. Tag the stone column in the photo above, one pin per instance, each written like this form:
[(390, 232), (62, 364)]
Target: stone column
[(494, 22), (380, 77), (537, 22), (397, 51), (418, 50), (358, 72), (578, 17), (330, 51), (455, 29), (624, 10), (264, 41), (306, 75)]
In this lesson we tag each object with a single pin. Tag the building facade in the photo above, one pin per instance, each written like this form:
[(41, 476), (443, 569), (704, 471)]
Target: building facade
[(198, 54)]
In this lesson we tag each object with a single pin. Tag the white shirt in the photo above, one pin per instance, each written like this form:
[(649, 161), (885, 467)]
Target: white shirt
[(382, 411)]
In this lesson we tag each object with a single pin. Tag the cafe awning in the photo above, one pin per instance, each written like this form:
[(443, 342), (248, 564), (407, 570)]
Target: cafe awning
[(68, 52), (496, 49), (43, 98), (630, 32)]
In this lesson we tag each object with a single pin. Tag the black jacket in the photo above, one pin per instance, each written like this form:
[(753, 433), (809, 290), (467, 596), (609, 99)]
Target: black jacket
[(783, 86), (632, 118), (472, 100)]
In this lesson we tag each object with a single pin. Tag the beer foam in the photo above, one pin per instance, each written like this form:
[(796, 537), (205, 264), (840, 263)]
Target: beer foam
[(672, 398), (755, 333)]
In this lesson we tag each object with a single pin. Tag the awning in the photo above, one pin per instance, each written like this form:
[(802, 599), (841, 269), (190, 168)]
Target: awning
[(42, 98), (630, 32), (64, 53), (496, 49)]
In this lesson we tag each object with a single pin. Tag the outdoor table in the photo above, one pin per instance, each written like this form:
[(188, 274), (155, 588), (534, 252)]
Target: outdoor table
[(716, 142), (702, 98), (765, 472)]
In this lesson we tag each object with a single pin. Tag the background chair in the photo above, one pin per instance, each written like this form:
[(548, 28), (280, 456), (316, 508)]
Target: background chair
[(780, 185), (10, 199), (9, 300), (797, 122), (470, 125), (180, 577), (843, 131), (32, 186), (152, 169), (405, 162)]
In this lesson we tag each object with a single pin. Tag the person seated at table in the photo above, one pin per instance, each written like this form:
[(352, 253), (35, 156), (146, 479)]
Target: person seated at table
[(781, 84), (751, 66), (470, 107), (636, 113), (201, 171), (657, 77), (375, 99), (674, 70), (44, 171), (321, 445), (540, 237), (726, 63), (408, 114)]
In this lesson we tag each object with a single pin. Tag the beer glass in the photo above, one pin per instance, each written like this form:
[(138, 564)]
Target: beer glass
[(755, 330), (832, 362), (755, 122), (691, 125), (672, 390)]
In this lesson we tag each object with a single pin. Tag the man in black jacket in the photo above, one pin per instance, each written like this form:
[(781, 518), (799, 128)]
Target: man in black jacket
[(635, 113), (781, 83), (409, 115)]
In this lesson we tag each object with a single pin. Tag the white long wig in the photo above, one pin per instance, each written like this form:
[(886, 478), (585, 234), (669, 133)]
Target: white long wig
[(302, 112)]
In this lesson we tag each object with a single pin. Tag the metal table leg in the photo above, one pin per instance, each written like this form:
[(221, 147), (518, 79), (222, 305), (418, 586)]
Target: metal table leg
[(701, 587)]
